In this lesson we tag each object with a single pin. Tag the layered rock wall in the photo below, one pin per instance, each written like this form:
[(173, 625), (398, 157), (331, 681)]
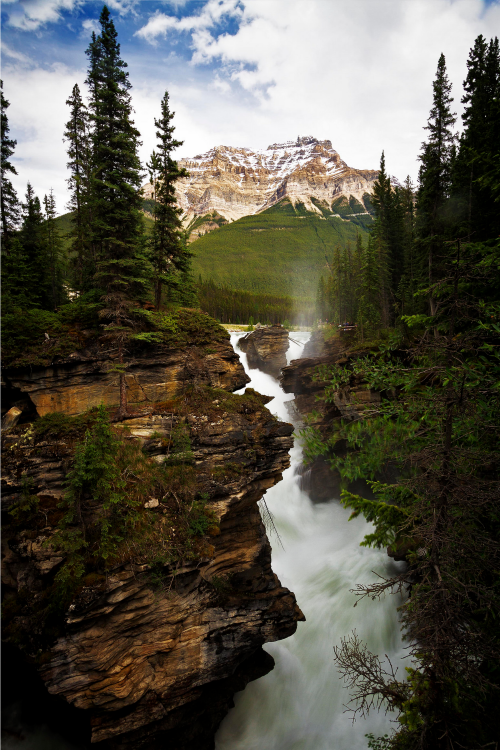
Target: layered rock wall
[(153, 661)]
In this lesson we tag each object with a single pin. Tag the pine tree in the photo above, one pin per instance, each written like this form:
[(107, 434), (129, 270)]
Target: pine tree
[(381, 229), (168, 253), (10, 208), (54, 251), (116, 200), (479, 144), (369, 310), (34, 248), (78, 137), (435, 176)]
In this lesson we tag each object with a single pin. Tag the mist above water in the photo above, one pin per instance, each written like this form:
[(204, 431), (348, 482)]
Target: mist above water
[(300, 704)]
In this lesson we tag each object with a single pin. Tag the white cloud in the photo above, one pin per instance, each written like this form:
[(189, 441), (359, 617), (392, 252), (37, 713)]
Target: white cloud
[(90, 25), (15, 54), (358, 72), (30, 15), (37, 122), (160, 24)]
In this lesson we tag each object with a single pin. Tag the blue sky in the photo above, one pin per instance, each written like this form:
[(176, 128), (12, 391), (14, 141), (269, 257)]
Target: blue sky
[(244, 72)]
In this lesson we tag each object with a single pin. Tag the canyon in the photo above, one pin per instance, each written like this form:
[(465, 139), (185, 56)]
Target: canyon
[(149, 656)]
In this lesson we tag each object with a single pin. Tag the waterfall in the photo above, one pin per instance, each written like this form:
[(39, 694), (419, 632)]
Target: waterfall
[(300, 704)]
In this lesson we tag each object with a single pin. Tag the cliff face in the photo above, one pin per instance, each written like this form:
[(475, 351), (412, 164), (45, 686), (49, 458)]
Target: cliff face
[(266, 349), (86, 378), (152, 655), (237, 182)]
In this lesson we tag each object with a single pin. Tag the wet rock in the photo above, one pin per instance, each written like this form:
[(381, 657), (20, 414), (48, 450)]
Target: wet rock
[(11, 418), (266, 349)]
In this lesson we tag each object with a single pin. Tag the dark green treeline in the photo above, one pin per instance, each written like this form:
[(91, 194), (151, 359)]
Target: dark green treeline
[(109, 259), (416, 228), (231, 306)]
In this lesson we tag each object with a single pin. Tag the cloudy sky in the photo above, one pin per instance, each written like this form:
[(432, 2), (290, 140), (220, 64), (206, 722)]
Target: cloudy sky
[(243, 72)]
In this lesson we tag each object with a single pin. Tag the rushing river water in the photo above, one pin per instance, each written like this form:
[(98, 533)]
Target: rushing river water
[(300, 704)]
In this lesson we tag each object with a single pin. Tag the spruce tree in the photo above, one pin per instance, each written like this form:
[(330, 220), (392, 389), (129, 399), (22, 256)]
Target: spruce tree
[(168, 253), (116, 200), (34, 250), (479, 150), (54, 252), (435, 177), (382, 203), (79, 152), (10, 208)]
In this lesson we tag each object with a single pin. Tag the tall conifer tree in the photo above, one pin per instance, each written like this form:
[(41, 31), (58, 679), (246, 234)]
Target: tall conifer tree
[(10, 209), (53, 251), (435, 174), (116, 199), (168, 253), (77, 135)]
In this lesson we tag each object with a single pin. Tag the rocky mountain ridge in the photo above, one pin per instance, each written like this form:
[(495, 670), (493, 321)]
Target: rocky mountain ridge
[(236, 182)]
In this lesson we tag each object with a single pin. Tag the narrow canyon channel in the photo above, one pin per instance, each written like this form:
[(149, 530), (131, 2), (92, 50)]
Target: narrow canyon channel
[(300, 704)]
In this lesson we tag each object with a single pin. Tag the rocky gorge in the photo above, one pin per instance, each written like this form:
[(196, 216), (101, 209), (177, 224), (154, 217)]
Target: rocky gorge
[(151, 650)]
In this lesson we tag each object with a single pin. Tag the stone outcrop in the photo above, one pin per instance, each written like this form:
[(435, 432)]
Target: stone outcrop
[(237, 182), (86, 378), (266, 349), (153, 662)]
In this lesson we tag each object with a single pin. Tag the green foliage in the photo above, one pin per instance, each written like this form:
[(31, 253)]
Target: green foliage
[(96, 473), (23, 509), (59, 425), (24, 340), (379, 743), (236, 306), (185, 326), (280, 251), (386, 516)]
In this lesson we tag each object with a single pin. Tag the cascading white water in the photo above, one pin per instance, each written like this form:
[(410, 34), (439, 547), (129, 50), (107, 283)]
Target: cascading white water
[(300, 704)]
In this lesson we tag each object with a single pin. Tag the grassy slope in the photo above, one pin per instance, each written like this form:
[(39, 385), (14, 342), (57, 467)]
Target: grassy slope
[(280, 251)]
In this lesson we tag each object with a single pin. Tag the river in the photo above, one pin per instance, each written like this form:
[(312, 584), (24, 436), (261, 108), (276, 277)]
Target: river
[(300, 704)]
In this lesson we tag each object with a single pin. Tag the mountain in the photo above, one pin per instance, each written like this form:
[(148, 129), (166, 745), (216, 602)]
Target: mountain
[(228, 183)]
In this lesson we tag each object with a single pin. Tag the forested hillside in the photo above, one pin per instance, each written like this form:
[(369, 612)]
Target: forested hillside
[(283, 250)]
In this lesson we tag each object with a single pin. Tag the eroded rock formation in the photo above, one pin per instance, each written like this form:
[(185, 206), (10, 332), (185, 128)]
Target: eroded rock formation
[(152, 660), (86, 378), (266, 349), (237, 182)]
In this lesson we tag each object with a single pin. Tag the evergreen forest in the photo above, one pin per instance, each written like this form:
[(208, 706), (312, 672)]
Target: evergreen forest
[(424, 295), (101, 270)]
